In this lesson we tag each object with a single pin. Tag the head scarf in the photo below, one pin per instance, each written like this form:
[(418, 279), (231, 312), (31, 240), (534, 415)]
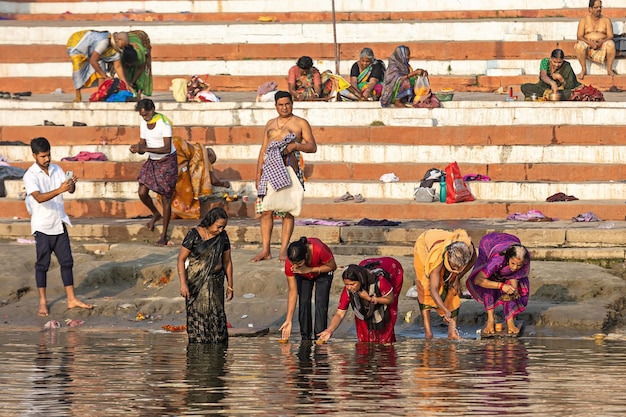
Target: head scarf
[(375, 315), (397, 67)]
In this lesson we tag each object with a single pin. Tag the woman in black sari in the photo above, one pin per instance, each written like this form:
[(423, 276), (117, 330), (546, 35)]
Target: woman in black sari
[(203, 262)]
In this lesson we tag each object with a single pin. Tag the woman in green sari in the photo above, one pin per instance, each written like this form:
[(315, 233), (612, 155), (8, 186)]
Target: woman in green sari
[(555, 75), (366, 78), (137, 60)]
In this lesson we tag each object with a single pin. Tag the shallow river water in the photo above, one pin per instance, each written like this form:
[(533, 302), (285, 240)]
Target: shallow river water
[(77, 372)]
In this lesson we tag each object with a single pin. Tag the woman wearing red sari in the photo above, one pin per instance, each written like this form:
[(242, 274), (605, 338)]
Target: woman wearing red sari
[(372, 288)]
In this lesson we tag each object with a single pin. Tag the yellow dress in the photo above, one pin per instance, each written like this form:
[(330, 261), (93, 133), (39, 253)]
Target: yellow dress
[(428, 253)]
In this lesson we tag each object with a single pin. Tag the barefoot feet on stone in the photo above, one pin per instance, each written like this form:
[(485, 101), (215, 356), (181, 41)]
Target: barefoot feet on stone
[(513, 330), (490, 328), (262, 256), (581, 76), (79, 304), (453, 335), (161, 242), (43, 310), (611, 73), (155, 218)]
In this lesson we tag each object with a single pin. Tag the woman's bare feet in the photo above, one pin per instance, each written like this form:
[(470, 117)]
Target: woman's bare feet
[(610, 72), (581, 75), (76, 303), (155, 218), (453, 333), (511, 328), (161, 242), (428, 336), (43, 310), (262, 256), (490, 328)]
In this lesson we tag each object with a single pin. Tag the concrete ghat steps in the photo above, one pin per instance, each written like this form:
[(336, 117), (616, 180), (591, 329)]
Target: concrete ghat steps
[(555, 240), (190, 33), (373, 208), (453, 113), (233, 68), (464, 83), (428, 50), (492, 190), (289, 10), (469, 135), (236, 170), (440, 58), (379, 153), (241, 7)]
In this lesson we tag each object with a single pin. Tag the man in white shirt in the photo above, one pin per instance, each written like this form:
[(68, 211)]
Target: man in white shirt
[(160, 172), (45, 184)]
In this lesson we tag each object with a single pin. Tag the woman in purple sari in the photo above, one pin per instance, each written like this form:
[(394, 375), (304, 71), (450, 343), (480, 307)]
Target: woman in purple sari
[(500, 277), (399, 79)]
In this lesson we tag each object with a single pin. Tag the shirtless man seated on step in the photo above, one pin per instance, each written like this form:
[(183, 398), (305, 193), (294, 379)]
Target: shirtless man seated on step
[(595, 39)]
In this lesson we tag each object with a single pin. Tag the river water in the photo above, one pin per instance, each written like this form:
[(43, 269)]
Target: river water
[(80, 372)]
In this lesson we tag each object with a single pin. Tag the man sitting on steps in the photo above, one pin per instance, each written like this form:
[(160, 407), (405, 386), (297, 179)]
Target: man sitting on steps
[(595, 39)]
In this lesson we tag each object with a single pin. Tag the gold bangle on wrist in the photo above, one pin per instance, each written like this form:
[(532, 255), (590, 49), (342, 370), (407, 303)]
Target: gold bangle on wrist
[(230, 288)]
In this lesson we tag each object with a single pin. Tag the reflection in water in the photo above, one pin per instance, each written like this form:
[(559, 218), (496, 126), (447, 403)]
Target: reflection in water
[(311, 374), (205, 371), (82, 373), (505, 383), (53, 375)]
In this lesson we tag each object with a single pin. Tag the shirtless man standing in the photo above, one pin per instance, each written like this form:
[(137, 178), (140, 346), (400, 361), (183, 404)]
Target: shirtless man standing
[(595, 39), (275, 130)]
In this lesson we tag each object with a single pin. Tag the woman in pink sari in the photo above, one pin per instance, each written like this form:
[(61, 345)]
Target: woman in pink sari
[(372, 288), (306, 83), (500, 277)]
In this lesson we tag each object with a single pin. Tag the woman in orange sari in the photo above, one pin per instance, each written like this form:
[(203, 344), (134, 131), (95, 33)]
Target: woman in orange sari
[(441, 258)]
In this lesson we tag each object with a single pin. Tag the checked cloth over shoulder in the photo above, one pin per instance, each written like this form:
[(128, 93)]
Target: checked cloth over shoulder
[(274, 169)]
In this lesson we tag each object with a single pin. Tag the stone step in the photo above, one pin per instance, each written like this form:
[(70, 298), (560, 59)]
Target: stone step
[(545, 239), (380, 152), (314, 31), (348, 52), (471, 135), (229, 83), (399, 191), (453, 113), (238, 170), (404, 210), (243, 73), (289, 10), (190, 33), (243, 66), (592, 255)]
